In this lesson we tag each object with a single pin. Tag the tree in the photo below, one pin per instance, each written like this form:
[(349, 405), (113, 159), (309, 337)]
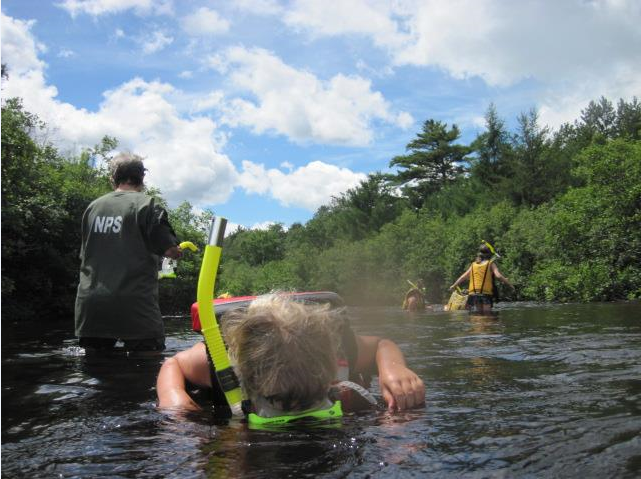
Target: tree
[(363, 210), (628, 120), (493, 150), (537, 175), (256, 247), (434, 162), (598, 120), (43, 197)]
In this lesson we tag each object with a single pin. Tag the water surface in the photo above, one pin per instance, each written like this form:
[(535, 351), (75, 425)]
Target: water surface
[(540, 391)]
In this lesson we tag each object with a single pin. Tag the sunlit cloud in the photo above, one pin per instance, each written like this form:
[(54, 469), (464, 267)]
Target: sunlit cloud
[(204, 21), (101, 7), (298, 104), (309, 186), (155, 42)]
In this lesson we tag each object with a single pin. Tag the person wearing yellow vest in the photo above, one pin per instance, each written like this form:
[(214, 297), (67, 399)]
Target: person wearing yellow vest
[(481, 288)]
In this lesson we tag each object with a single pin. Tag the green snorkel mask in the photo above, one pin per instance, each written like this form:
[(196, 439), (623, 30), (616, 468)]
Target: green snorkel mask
[(334, 412)]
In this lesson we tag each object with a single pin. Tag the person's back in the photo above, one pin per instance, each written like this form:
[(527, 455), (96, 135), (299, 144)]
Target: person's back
[(481, 274), (481, 277), (123, 235), (118, 289)]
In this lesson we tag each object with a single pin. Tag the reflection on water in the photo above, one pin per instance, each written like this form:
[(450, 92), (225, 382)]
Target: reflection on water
[(539, 390)]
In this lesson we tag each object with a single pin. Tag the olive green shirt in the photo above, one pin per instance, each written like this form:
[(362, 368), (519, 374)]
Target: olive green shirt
[(123, 235)]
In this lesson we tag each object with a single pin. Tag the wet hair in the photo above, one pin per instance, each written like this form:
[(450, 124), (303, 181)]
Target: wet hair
[(484, 252), (127, 168), (284, 351)]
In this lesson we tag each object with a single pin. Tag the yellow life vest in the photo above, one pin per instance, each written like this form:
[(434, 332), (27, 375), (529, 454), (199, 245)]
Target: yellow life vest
[(481, 278)]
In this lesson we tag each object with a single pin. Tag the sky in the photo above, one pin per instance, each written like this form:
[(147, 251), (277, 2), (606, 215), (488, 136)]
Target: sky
[(263, 110)]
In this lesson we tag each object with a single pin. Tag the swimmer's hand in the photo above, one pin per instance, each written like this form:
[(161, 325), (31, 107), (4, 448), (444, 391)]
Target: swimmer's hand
[(401, 388), (174, 252)]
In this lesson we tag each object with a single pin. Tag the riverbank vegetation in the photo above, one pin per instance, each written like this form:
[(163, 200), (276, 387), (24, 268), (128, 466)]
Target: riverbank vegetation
[(562, 207)]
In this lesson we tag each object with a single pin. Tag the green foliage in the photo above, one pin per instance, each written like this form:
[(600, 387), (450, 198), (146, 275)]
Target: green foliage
[(256, 247), (491, 166), (43, 197), (177, 294), (563, 208)]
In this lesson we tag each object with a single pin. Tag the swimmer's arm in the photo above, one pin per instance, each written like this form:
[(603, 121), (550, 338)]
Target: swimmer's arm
[(189, 365), (462, 278), (400, 386)]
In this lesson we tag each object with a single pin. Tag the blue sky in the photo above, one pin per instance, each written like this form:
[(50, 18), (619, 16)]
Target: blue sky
[(263, 110)]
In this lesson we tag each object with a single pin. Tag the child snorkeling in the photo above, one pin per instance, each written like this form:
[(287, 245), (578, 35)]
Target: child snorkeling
[(481, 287), (286, 356)]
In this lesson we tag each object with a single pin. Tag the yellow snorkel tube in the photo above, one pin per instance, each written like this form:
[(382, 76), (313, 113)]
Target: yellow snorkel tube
[(491, 248), (210, 329)]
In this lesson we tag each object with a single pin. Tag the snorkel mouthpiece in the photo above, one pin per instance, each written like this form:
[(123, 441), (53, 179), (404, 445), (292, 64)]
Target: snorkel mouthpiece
[(210, 329), (334, 412)]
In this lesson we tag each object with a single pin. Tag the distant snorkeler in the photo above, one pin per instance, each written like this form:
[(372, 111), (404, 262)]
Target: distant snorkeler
[(294, 361), (481, 274), (415, 297)]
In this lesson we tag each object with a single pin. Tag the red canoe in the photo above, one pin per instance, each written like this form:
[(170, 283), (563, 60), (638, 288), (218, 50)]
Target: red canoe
[(222, 305)]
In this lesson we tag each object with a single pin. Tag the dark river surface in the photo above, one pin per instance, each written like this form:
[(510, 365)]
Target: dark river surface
[(540, 391)]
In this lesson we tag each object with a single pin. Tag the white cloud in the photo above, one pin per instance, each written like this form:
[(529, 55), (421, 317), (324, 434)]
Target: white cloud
[(298, 104), (155, 42), (404, 120), (204, 21), (503, 41), (259, 7), (375, 18), (232, 228), (183, 154), (308, 187), (265, 225), (66, 53), (186, 74), (101, 7), (19, 48), (566, 45), (209, 101)]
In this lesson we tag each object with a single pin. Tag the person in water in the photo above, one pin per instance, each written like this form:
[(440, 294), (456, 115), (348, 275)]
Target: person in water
[(415, 297), (123, 235), (287, 355), (481, 274)]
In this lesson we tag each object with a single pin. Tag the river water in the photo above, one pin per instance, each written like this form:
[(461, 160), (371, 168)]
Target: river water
[(539, 391)]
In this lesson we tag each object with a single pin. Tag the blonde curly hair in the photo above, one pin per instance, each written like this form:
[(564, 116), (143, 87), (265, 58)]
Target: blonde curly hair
[(284, 351)]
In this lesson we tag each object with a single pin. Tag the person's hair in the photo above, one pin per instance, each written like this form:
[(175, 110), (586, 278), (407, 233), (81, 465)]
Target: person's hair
[(484, 252), (284, 351), (127, 168)]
